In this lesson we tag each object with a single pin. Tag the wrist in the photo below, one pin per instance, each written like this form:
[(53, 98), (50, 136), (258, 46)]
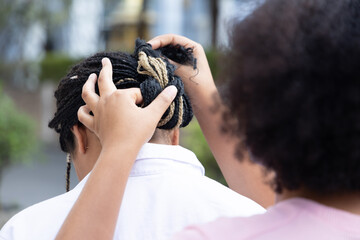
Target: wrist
[(129, 145), (121, 147)]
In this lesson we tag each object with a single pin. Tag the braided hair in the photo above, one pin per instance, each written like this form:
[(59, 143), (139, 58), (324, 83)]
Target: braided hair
[(147, 69)]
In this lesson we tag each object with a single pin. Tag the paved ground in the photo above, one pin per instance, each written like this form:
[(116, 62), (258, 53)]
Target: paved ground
[(25, 184)]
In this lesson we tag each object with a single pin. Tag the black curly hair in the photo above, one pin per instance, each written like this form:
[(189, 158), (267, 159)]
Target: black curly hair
[(147, 69), (294, 87)]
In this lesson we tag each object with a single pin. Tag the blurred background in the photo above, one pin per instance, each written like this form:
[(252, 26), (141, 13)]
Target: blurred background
[(41, 39)]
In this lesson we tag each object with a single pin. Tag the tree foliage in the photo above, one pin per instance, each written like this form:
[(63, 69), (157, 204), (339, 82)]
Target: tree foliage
[(19, 21), (17, 133), (194, 140), (54, 66)]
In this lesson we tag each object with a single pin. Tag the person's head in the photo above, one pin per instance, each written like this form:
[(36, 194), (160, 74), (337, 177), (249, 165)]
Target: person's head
[(294, 87), (146, 69)]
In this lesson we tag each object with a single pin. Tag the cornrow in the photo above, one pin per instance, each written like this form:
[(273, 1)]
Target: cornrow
[(147, 69)]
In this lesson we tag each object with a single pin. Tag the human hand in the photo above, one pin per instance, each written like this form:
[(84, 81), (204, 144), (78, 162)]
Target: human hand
[(116, 116), (198, 82)]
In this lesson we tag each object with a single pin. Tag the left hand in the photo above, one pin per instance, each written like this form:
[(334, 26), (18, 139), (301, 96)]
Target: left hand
[(117, 118)]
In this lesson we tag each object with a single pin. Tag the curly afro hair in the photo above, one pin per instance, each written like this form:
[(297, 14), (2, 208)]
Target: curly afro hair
[(294, 87)]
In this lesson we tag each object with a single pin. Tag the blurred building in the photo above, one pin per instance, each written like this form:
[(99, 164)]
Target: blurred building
[(79, 28), (149, 18), (192, 18), (88, 26), (80, 34), (128, 20)]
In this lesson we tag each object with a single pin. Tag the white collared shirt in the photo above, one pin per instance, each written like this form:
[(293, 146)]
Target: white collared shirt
[(166, 191)]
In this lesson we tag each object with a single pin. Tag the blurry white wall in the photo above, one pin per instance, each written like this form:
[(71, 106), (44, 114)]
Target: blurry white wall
[(184, 17), (192, 18), (230, 10), (85, 26)]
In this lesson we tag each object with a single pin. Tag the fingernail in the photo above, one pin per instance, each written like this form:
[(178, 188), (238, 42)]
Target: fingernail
[(171, 91), (103, 61), (151, 42), (92, 76)]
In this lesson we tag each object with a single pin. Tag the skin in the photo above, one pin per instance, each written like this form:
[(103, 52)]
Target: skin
[(110, 173), (243, 176), (95, 218), (88, 147)]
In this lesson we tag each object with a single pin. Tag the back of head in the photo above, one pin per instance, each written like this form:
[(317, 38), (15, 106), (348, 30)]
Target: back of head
[(147, 69), (294, 86)]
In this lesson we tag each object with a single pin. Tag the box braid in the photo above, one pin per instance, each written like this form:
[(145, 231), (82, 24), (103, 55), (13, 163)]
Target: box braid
[(147, 69)]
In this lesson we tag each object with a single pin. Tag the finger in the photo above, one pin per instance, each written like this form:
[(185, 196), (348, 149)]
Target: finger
[(105, 82), (88, 92), (135, 93), (85, 117), (162, 102), (171, 39), (177, 65)]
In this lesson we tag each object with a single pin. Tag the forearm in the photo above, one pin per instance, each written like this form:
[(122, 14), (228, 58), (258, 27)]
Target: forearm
[(122, 128), (242, 176), (101, 197)]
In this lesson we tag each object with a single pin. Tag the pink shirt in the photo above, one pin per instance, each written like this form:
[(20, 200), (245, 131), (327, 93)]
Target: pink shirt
[(295, 218)]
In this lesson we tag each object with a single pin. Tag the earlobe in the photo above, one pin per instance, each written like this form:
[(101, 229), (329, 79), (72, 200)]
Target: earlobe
[(80, 138)]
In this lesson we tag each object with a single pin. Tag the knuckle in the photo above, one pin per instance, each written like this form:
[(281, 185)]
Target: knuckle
[(84, 88), (165, 98), (198, 46), (85, 94), (79, 114), (118, 93)]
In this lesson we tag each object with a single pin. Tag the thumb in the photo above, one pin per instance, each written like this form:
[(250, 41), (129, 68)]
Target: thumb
[(162, 102)]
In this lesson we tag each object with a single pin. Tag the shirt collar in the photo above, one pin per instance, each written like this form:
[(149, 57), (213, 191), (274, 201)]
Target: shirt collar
[(156, 158)]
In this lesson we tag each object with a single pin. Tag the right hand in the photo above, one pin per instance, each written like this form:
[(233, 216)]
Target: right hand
[(198, 82), (244, 177)]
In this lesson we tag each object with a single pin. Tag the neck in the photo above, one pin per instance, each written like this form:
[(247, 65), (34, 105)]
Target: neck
[(84, 164), (349, 202)]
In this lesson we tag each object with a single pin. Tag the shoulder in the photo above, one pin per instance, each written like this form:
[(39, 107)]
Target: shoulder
[(222, 228), (220, 195), (41, 218), (254, 227), (228, 228)]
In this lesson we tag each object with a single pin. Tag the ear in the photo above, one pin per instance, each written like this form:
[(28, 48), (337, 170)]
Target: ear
[(175, 136), (80, 138)]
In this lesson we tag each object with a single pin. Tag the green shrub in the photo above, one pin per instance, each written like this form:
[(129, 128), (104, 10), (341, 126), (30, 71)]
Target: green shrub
[(54, 66), (212, 56), (193, 139), (17, 133)]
